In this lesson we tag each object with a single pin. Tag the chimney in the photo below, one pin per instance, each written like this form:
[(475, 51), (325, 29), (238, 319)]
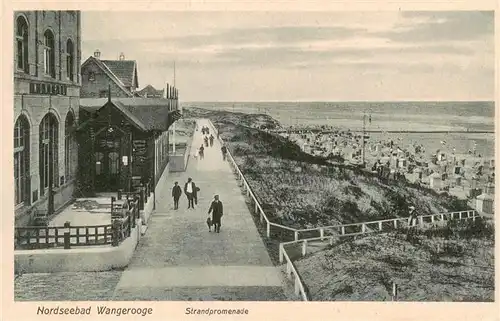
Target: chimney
[(97, 54), (122, 56)]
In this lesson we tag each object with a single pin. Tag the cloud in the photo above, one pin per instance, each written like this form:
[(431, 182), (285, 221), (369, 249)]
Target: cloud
[(441, 26)]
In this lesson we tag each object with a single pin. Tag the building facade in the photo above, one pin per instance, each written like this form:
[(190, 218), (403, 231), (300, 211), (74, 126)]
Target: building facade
[(123, 142), (100, 76), (47, 51)]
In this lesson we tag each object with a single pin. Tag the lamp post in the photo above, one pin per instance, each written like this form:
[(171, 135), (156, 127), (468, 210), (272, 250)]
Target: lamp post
[(364, 133)]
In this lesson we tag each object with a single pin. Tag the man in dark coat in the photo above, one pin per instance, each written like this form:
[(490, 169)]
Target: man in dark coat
[(217, 210), (176, 194), (211, 140), (190, 191)]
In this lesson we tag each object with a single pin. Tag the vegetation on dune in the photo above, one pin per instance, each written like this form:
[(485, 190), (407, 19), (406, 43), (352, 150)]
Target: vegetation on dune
[(454, 262), (427, 265), (301, 190)]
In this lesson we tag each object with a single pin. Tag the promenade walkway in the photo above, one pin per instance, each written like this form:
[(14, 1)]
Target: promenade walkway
[(179, 259)]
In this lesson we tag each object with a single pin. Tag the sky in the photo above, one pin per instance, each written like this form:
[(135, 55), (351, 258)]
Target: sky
[(303, 56)]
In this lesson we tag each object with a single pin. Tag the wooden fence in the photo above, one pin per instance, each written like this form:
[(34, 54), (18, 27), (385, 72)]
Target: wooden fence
[(123, 220)]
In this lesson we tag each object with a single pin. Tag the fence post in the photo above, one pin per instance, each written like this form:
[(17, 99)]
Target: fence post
[(296, 235), (268, 229), (141, 198), (331, 240), (131, 215), (115, 228), (342, 230), (261, 217), (322, 233), (297, 288), (421, 221), (442, 217), (288, 268), (395, 224), (256, 208), (380, 226), (281, 252), (363, 228), (304, 248), (432, 218), (67, 242)]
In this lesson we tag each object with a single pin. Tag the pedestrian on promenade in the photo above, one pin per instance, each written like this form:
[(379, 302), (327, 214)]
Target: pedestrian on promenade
[(211, 140), (224, 152), (190, 190), (202, 152), (176, 194), (216, 209), (203, 130), (206, 141), (208, 130)]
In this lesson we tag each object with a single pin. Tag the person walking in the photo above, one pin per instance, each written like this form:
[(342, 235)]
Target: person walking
[(206, 141), (201, 152), (216, 209), (176, 194), (190, 191), (211, 140), (224, 152), (413, 217)]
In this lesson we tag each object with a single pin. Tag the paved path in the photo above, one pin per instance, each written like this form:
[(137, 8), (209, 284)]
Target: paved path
[(179, 259)]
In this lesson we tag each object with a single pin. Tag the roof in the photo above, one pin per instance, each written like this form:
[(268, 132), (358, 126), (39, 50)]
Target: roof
[(124, 70), (150, 90), (145, 113), (109, 73)]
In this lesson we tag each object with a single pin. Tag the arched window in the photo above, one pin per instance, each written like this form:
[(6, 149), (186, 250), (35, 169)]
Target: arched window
[(70, 58), (49, 171), (22, 45), (49, 54), (69, 146), (21, 160)]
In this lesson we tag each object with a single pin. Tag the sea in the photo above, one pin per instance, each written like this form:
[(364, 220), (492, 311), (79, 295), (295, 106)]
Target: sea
[(387, 116)]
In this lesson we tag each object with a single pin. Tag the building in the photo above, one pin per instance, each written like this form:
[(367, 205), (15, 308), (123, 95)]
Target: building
[(124, 141), (98, 75), (150, 92), (47, 50)]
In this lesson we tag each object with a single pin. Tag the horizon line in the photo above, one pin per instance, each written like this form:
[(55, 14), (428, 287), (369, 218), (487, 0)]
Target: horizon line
[(335, 101)]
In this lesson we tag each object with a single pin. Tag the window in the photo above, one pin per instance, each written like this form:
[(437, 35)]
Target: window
[(22, 45), (91, 76), (70, 58), (113, 162), (21, 160), (49, 54), (69, 146), (48, 161)]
